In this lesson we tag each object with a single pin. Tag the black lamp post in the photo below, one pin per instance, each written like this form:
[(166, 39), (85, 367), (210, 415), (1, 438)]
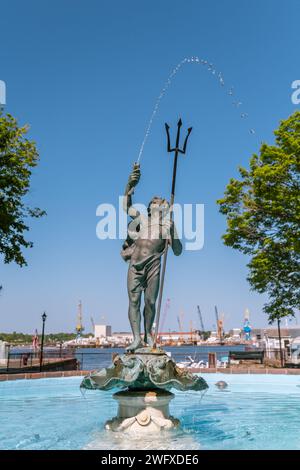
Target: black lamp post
[(44, 316)]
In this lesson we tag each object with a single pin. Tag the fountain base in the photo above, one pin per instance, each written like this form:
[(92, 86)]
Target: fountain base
[(146, 377), (142, 411), (145, 369)]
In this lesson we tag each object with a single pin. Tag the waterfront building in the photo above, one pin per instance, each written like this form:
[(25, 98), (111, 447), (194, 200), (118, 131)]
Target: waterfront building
[(102, 331)]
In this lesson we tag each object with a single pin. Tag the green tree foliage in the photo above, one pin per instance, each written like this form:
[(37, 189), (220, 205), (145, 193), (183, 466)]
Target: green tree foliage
[(18, 156), (263, 219), (51, 338)]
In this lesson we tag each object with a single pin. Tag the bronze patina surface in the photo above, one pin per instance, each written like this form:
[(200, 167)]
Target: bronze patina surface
[(144, 370)]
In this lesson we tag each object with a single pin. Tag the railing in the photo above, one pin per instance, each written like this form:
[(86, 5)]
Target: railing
[(289, 357), (97, 359), (90, 359), (32, 359)]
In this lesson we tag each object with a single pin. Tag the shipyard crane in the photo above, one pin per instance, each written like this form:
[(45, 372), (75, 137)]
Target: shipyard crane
[(247, 327), (93, 324), (192, 338), (79, 326), (220, 324), (217, 315), (180, 318), (201, 319), (164, 317), (179, 323)]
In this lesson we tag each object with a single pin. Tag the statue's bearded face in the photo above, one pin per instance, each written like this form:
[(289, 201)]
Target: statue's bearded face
[(158, 205)]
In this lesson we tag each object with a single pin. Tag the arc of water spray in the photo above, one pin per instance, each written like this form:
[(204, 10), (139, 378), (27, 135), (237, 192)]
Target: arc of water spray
[(212, 70)]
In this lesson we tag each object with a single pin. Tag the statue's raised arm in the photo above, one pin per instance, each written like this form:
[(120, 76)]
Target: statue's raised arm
[(129, 190)]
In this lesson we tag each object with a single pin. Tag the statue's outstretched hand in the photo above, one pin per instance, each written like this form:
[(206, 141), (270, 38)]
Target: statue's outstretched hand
[(134, 177)]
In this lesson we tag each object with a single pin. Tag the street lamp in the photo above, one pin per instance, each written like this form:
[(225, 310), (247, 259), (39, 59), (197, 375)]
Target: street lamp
[(44, 316)]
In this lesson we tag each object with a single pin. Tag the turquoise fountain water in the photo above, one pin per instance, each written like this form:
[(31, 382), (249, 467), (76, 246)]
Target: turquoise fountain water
[(254, 412)]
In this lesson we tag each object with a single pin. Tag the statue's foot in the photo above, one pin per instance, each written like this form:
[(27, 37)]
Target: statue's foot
[(137, 343), (149, 341)]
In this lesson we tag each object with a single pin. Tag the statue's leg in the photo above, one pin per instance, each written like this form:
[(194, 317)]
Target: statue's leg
[(134, 312), (151, 293)]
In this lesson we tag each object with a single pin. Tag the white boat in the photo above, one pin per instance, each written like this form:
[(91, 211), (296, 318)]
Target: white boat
[(190, 363)]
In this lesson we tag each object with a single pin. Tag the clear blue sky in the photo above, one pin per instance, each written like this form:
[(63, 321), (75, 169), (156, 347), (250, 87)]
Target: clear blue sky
[(85, 75)]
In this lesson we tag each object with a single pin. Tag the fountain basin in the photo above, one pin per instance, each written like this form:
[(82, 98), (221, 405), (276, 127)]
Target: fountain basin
[(255, 412)]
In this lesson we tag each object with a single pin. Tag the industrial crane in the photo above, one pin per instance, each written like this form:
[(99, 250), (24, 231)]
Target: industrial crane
[(180, 324), (93, 324), (192, 337), (220, 324), (79, 326), (163, 320), (217, 315), (247, 327), (201, 319)]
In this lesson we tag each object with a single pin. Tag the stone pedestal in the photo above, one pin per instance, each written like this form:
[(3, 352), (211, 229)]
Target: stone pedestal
[(142, 411)]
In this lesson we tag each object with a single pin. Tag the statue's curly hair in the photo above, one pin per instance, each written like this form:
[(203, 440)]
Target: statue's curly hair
[(155, 198)]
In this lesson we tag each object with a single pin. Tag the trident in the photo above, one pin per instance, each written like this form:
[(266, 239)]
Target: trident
[(176, 150)]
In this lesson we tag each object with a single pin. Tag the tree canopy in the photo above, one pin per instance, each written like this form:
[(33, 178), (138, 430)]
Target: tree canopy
[(263, 219), (18, 156)]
